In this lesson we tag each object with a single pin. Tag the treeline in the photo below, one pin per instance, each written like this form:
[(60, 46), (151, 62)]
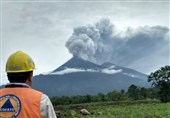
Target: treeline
[(133, 93)]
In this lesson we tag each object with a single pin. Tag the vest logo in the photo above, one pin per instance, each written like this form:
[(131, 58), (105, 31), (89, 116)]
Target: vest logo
[(10, 106)]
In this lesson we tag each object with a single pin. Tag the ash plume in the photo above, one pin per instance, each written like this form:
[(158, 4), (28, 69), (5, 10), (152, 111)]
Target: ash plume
[(102, 42)]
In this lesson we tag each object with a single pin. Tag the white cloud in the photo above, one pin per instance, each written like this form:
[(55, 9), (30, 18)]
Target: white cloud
[(67, 71), (112, 71), (75, 70), (131, 75), (111, 67)]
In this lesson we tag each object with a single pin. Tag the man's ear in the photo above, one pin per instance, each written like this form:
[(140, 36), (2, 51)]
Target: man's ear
[(30, 79)]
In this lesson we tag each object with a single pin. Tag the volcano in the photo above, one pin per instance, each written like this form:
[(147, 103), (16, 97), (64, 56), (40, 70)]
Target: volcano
[(81, 77)]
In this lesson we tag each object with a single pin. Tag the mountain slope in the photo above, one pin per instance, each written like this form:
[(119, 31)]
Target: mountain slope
[(80, 77), (76, 62)]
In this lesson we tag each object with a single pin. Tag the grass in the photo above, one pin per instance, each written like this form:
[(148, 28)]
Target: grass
[(139, 109)]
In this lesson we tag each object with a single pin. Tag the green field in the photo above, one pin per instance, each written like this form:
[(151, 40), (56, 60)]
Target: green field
[(135, 109)]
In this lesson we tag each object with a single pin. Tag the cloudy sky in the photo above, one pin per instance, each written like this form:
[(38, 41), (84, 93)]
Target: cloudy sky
[(133, 34)]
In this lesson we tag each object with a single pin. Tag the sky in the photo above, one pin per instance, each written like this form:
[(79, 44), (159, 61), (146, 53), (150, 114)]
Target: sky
[(133, 34)]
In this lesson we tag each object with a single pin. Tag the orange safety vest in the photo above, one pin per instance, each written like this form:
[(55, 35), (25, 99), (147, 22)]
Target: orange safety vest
[(19, 102)]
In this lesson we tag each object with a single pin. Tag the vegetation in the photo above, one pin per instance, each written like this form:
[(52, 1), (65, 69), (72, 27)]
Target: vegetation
[(128, 109), (133, 93), (136, 102), (161, 80)]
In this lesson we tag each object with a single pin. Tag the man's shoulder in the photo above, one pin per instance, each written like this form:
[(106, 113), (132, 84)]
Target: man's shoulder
[(35, 91)]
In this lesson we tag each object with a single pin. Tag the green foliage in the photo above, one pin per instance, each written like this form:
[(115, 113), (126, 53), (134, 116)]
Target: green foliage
[(116, 96), (133, 93), (138, 93), (161, 80)]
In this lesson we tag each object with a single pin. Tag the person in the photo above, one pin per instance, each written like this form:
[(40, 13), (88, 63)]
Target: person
[(17, 98)]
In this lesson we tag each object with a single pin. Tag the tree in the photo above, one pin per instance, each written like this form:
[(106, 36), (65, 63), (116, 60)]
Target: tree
[(134, 92), (161, 80), (115, 96), (101, 97)]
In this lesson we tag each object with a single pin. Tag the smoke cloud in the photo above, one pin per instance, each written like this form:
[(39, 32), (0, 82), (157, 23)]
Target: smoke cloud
[(102, 42)]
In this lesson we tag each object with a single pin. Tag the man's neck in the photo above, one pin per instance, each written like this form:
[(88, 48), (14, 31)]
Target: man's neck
[(22, 84)]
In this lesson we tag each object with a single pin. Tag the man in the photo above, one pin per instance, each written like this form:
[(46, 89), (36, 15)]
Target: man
[(17, 99)]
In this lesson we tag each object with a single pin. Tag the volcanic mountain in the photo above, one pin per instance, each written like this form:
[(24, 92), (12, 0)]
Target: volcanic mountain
[(81, 77)]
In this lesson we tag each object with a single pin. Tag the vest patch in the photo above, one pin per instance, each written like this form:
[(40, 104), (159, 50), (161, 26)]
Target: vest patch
[(10, 106)]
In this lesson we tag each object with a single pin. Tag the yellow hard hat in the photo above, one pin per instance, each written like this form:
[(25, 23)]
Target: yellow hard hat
[(19, 62)]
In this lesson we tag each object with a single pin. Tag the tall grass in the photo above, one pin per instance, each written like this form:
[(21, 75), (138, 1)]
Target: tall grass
[(121, 110)]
